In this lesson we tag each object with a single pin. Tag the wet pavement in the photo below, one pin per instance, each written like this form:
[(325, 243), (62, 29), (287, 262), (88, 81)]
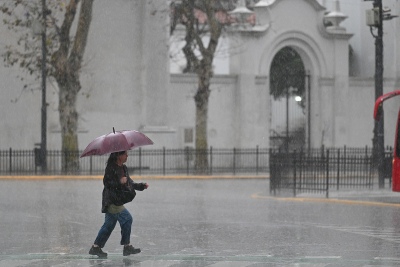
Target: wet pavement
[(197, 222)]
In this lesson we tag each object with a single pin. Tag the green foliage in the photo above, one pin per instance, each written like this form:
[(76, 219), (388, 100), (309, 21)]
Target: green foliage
[(287, 71)]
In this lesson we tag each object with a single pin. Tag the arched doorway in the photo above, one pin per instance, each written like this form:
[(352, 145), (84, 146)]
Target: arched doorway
[(288, 100)]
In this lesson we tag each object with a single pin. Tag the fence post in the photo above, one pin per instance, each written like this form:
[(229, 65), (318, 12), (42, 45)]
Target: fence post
[(163, 166), (271, 173), (211, 160), (64, 161), (301, 155), (327, 173), (368, 162), (234, 161), (294, 172), (187, 159), (338, 169), (140, 161), (91, 165), (257, 160), (10, 156), (345, 159)]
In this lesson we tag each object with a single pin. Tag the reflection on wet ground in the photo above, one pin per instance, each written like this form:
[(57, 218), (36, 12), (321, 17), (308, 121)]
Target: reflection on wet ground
[(195, 223), (190, 260)]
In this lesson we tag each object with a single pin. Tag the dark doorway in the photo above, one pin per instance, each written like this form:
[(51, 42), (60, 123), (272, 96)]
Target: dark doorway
[(288, 108)]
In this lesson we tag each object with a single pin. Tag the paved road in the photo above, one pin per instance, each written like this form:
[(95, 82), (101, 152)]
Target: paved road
[(223, 222)]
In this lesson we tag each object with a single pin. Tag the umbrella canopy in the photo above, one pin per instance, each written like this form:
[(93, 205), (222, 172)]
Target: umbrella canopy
[(116, 141)]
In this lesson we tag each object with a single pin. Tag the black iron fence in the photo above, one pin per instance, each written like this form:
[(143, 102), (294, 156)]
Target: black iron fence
[(141, 161), (319, 170)]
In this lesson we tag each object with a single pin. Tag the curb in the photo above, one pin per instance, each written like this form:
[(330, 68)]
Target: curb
[(328, 200)]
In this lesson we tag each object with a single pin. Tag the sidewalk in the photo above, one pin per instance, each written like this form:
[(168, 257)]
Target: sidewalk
[(374, 195), (370, 197)]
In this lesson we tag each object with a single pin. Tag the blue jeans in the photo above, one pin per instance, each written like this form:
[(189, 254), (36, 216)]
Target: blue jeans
[(125, 221)]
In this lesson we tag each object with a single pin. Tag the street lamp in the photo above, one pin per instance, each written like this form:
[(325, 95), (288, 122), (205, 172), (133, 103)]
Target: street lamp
[(241, 14), (40, 28), (297, 98), (375, 18), (335, 18)]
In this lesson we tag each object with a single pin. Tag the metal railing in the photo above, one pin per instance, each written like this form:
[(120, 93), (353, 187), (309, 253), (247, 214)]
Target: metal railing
[(317, 170), (321, 170), (141, 162)]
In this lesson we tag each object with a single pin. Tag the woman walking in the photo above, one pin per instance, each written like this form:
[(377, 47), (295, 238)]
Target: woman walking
[(116, 183)]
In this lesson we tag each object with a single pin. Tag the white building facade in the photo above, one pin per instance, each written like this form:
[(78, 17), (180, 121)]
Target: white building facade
[(130, 82)]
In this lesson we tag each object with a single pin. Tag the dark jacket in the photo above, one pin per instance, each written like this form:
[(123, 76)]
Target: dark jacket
[(112, 182)]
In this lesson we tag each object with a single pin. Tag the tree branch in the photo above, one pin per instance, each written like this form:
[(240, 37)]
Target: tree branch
[(70, 13), (215, 28), (81, 36), (191, 33)]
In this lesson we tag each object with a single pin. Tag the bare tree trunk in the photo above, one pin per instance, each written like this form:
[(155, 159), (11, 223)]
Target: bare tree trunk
[(201, 101), (201, 161), (69, 127)]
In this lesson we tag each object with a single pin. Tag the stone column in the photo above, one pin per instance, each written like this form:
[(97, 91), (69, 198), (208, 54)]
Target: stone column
[(340, 68), (251, 95)]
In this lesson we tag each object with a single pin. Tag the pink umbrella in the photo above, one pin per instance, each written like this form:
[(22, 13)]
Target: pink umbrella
[(116, 141)]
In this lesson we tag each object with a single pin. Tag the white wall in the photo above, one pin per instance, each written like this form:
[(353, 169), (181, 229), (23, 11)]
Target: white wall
[(110, 77), (117, 73), (221, 120)]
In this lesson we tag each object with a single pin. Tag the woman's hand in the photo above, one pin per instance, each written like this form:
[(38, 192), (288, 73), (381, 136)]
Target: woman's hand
[(123, 180)]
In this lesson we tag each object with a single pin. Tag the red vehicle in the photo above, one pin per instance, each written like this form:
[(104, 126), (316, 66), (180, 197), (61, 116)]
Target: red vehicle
[(396, 150)]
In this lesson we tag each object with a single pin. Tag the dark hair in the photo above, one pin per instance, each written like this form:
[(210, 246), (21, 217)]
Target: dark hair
[(113, 157)]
